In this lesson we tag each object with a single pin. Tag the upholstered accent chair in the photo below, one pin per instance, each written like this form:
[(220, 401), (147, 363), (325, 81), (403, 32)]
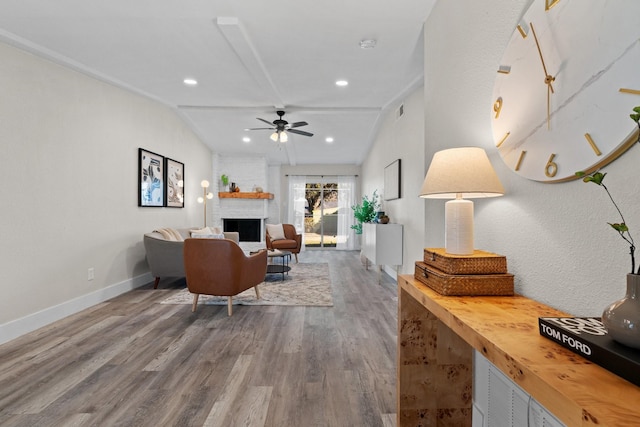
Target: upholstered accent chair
[(285, 238), (219, 267)]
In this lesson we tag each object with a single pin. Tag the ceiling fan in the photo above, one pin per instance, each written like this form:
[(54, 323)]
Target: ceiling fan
[(281, 127)]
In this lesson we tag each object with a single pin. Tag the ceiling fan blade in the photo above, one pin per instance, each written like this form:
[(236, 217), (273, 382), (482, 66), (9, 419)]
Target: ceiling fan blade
[(263, 120), (259, 128), (297, 124), (300, 132)]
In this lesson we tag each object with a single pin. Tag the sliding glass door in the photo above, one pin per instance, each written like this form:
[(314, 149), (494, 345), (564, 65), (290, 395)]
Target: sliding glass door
[(321, 215), (320, 209)]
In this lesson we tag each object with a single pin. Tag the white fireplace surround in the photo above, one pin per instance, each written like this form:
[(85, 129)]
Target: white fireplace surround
[(245, 209)]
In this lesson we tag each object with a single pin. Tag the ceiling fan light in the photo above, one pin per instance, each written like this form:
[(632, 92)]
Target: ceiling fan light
[(274, 137), (283, 137)]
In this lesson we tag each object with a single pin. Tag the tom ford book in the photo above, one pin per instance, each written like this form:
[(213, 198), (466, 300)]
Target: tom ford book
[(588, 337)]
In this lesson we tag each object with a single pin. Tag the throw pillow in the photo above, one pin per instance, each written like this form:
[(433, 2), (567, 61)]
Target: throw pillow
[(207, 236), (276, 231), (200, 231), (170, 234), (207, 233)]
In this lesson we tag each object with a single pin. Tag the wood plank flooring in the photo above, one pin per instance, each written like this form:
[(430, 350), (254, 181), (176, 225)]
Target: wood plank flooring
[(132, 361)]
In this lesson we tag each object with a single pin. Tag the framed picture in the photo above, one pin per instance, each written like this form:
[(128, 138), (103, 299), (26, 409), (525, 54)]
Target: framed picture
[(174, 189), (392, 181), (150, 179)]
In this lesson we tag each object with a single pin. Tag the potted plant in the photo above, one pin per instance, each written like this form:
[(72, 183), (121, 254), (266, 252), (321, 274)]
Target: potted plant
[(622, 318), (225, 181), (365, 212)]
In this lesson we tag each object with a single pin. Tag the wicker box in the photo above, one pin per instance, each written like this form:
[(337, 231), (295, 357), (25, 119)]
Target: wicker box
[(464, 284), (480, 262)]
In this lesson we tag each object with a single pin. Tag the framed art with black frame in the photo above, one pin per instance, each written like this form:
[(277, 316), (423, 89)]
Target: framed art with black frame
[(174, 188), (392, 180), (150, 179)]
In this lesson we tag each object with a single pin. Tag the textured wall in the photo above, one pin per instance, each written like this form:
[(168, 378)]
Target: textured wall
[(555, 236)]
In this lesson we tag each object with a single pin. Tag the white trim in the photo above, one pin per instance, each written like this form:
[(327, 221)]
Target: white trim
[(31, 322)]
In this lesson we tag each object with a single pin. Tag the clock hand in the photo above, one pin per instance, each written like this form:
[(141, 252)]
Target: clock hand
[(548, 78)]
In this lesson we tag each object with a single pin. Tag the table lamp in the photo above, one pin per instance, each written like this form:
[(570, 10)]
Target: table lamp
[(460, 173)]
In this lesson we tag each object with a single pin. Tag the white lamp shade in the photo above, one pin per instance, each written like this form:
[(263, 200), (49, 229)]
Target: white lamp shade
[(453, 174), (465, 172), (204, 183)]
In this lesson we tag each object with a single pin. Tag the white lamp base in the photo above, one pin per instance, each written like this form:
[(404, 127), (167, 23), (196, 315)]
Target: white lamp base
[(458, 224)]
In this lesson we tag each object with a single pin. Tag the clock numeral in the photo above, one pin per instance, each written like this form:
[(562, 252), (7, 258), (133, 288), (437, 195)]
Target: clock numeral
[(593, 145), (522, 154), (504, 138), (522, 31), (497, 107), (548, 4), (504, 69), (551, 168), (631, 91)]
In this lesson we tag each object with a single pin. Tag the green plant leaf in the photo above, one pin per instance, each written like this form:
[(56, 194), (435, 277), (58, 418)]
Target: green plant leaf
[(620, 228), (596, 178)]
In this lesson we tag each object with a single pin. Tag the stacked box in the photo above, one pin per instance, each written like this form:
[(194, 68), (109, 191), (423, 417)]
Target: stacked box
[(481, 273)]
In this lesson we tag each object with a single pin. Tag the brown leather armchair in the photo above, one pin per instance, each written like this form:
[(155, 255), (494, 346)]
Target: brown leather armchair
[(292, 241), (219, 267)]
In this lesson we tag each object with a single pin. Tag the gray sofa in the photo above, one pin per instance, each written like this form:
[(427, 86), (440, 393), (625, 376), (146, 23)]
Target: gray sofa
[(165, 257)]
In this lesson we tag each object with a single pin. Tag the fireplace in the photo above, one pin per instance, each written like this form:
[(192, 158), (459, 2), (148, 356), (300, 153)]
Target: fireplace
[(249, 229)]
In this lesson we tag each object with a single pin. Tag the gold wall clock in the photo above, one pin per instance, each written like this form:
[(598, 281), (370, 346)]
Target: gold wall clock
[(568, 80)]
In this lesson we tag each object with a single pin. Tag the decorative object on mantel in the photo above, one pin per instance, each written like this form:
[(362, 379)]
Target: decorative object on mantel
[(383, 219), (365, 212), (257, 189), (233, 187), (459, 173), (225, 181), (480, 273), (622, 318), (205, 195)]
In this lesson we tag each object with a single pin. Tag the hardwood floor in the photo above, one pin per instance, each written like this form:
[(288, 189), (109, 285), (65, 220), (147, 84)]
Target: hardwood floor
[(132, 361)]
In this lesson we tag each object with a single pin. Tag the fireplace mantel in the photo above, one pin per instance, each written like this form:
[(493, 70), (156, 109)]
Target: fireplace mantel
[(245, 195)]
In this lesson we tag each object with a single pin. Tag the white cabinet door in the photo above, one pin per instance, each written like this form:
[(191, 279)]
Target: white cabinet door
[(382, 243)]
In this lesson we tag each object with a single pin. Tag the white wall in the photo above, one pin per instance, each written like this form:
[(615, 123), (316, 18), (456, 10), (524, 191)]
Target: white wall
[(554, 236), (401, 138), (68, 164)]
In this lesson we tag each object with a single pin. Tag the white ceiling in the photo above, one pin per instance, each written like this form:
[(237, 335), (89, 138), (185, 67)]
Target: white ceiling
[(250, 58)]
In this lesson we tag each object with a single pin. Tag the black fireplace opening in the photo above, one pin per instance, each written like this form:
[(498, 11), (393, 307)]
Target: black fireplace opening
[(249, 229)]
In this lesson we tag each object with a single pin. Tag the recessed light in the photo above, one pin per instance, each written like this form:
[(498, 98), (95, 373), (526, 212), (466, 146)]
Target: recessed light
[(329, 139), (190, 82), (342, 83), (246, 139), (367, 44)]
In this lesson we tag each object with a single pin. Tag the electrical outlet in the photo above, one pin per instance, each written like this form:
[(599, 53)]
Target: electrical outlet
[(90, 274)]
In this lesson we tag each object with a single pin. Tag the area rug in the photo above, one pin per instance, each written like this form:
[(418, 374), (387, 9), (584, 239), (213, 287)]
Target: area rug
[(306, 284)]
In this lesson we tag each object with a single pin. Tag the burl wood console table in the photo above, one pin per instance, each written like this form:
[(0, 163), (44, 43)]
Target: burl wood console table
[(436, 338)]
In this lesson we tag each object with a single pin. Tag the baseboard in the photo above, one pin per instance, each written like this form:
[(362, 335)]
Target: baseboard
[(31, 322)]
